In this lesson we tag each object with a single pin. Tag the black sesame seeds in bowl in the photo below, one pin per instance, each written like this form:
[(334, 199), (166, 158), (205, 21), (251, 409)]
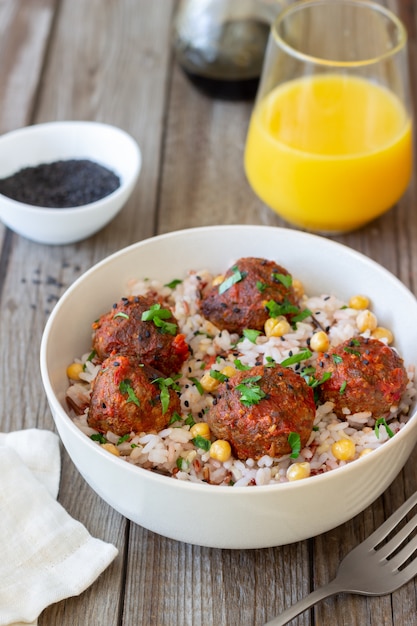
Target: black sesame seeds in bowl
[(61, 182)]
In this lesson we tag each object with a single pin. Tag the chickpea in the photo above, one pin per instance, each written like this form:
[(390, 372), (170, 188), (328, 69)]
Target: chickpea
[(110, 447), (383, 333), (297, 471), (366, 320), (359, 302), (201, 429), (276, 326), (344, 449), (319, 342), (74, 370), (209, 383), (220, 450)]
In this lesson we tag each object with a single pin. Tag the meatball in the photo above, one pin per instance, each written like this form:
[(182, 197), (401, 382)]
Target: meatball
[(122, 331), (239, 302), (257, 409), (125, 398), (366, 375)]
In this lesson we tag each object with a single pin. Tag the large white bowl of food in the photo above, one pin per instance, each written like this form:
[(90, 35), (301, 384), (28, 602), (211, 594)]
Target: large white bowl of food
[(235, 386)]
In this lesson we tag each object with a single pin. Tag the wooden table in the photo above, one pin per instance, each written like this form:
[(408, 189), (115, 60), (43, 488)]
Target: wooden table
[(112, 62)]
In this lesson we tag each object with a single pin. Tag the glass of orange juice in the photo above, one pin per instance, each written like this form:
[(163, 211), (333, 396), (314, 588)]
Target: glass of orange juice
[(329, 144)]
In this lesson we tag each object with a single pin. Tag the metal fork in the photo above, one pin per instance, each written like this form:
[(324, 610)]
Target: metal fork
[(376, 566)]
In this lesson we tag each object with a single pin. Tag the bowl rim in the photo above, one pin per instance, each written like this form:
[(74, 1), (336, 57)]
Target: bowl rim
[(82, 124), (152, 475)]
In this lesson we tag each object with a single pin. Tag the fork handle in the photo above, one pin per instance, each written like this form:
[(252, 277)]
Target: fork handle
[(305, 603)]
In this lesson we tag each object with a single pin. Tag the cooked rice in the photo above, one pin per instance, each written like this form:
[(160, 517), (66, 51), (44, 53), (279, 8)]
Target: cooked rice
[(172, 451)]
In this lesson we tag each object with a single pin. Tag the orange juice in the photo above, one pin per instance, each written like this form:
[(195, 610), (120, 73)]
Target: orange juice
[(330, 152)]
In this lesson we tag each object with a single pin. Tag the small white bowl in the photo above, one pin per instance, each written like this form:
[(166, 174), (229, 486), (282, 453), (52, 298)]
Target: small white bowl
[(221, 516), (30, 146)]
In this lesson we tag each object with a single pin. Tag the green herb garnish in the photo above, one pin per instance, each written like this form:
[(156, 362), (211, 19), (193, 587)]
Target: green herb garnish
[(98, 437), (182, 464), (175, 417), (123, 439), (260, 286), (158, 315), (295, 442), (234, 278), (251, 334), (250, 392), (240, 366), (275, 309), (296, 358), (285, 279), (381, 421), (218, 376), (126, 387), (301, 316), (173, 283), (198, 385), (89, 358), (189, 420), (343, 387), (201, 442), (164, 384), (337, 359), (121, 314)]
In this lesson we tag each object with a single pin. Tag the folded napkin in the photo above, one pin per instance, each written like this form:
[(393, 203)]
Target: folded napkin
[(45, 555)]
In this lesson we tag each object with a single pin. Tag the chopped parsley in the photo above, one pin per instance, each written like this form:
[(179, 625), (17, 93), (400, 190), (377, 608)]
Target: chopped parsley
[(275, 309), (302, 315), (89, 358), (201, 442), (173, 283), (251, 334), (121, 314), (125, 387), (234, 278), (285, 279), (198, 385), (164, 384), (352, 351), (296, 358), (123, 439), (295, 442), (189, 420), (337, 359), (250, 392), (175, 417), (241, 366), (343, 387), (260, 286), (98, 437), (182, 464), (218, 375), (382, 421), (158, 315)]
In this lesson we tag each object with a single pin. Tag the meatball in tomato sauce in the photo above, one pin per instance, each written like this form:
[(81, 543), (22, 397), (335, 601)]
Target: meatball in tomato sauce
[(365, 375), (257, 409), (126, 397), (241, 300), (154, 340)]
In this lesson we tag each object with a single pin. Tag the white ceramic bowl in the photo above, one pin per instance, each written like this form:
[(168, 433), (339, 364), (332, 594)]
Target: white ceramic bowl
[(30, 146), (228, 517)]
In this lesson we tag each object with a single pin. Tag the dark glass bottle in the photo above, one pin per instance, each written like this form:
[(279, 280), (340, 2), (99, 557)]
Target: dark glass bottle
[(220, 44)]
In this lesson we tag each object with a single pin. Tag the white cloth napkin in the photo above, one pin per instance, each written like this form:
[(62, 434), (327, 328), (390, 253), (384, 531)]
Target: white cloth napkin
[(45, 555)]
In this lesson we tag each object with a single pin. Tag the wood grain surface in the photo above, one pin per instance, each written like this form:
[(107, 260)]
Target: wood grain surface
[(112, 61)]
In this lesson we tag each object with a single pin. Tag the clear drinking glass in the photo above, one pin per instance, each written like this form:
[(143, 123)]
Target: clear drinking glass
[(329, 144)]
